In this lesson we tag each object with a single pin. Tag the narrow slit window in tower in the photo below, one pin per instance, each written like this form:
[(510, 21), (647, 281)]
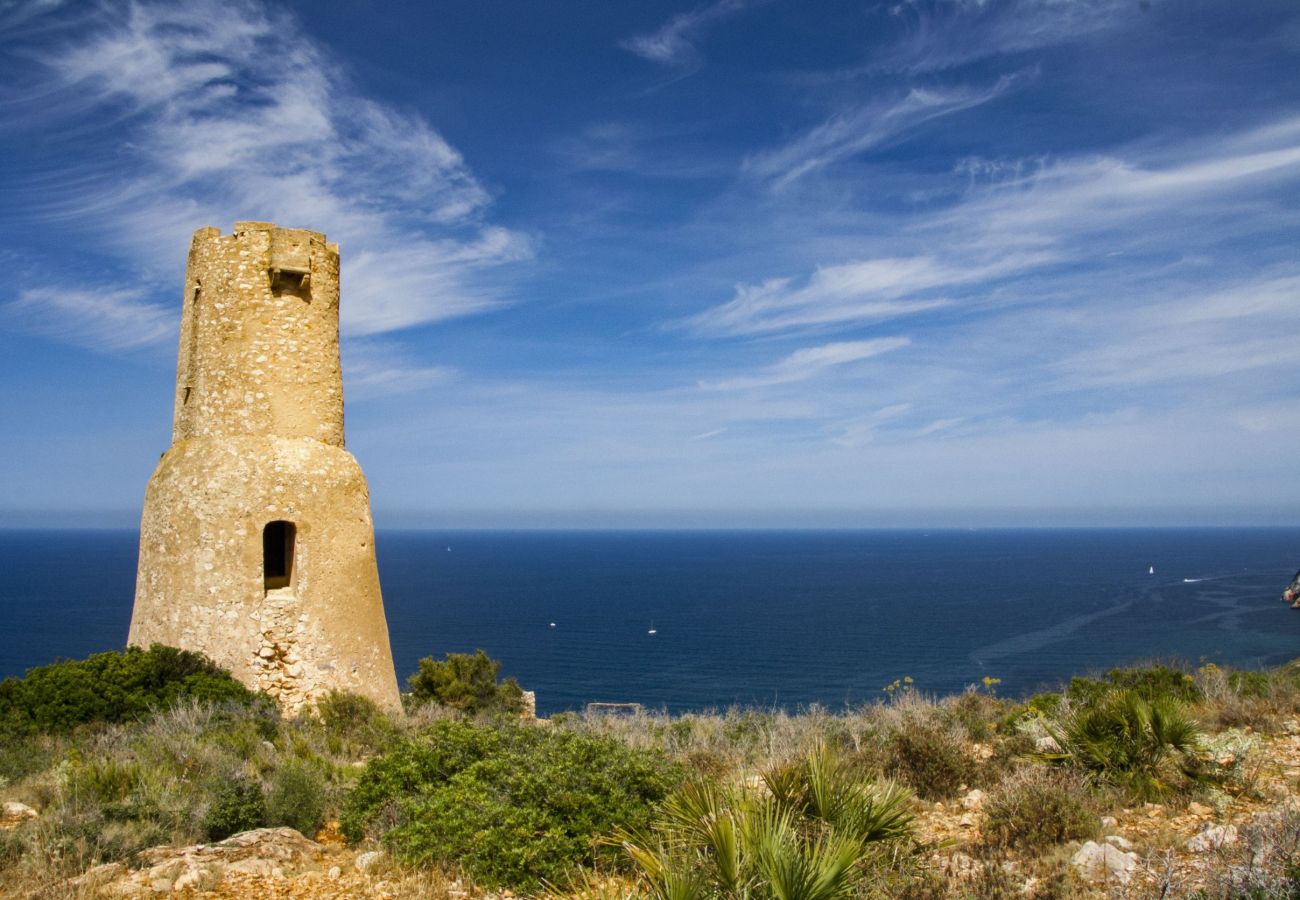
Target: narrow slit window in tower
[(277, 553)]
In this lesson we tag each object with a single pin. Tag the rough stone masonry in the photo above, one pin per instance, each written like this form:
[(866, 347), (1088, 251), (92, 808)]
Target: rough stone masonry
[(256, 542)]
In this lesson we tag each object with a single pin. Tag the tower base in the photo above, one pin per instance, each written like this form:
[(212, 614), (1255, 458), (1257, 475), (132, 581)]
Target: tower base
[(259, 552)]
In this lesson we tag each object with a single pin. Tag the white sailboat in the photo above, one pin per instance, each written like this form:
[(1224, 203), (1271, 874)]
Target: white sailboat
[(652, 630)]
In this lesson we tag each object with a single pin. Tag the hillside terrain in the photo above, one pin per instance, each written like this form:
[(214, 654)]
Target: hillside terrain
[(1143, 782)]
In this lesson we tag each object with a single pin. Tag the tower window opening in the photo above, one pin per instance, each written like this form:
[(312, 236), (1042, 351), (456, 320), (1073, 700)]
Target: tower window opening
[(292, 281), (277, 553)]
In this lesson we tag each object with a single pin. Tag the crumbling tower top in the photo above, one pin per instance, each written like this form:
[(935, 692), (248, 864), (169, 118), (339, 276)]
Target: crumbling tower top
[(259, 350)]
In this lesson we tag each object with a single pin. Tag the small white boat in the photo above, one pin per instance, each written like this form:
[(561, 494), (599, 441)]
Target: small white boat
[(1151, 570), (652, 630), (552, 624)]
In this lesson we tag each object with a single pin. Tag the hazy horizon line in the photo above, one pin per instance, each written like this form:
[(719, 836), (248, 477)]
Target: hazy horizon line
[(733, 519)]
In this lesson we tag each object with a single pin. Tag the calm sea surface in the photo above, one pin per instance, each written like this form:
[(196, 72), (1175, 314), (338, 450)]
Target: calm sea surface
[(756, 618)]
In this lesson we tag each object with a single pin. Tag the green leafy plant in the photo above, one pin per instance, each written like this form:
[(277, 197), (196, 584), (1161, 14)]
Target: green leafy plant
[(805, 838), (1143, 746), (514, 805), (467, 682), (116, 686), (930, 759), (354, 722), (238, 805), (1151, 683), (296, 797)]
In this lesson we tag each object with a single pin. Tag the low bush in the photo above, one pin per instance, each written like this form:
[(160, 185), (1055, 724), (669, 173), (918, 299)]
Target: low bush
[(296, 797), (23, 752), (354, 723), (810, 835), (1037, 807), (116, 686), (1157, 682), (1145, 747), (466, 682), (930, 759), (1250, 684), (237, 805), (975, 713), (514, 805)]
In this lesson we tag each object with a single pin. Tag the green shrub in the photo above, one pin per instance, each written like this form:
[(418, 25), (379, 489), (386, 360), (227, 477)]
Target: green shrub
[(1249, 684), (1148, 682), (808, 836), (116, 686), (466, 682), (237, 805), (930, 759), (296, 797), (23, 752), (355, 720), (1142, 746), (1038, 807), (976, 713), (514, 805), (827, 787)]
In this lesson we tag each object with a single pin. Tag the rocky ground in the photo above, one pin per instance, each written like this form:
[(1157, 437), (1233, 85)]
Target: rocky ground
[(1151, 850)]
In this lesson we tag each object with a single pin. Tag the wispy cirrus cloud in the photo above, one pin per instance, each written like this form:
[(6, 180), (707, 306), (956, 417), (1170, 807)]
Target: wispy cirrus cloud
[(854, 293), (675, 42), (98, 319), (1068, 198), (927, 36), (377, 368), (1042, 220), (854, 131), (223, 111), (940, 34), (809, 362), (1248, 326)]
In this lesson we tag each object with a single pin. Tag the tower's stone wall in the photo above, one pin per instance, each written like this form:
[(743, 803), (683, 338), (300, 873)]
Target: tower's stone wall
[(257, 449), (259, 347)]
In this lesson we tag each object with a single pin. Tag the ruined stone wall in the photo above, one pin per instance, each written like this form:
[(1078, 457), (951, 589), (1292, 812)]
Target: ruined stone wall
[(257, 439)]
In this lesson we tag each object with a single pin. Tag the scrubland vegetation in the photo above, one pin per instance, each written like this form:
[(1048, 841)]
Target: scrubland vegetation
[(968, 796)]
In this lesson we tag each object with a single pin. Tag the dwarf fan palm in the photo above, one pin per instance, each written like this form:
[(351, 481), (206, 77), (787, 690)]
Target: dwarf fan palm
[(1131, 741), (805, 838)]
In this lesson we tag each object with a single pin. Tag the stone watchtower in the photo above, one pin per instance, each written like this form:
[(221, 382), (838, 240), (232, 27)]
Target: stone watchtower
[(256, 543)]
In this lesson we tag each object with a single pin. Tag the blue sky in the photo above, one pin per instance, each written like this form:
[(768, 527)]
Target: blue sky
[(942, 262)]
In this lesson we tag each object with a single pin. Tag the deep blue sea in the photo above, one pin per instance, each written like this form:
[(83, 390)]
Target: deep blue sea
[(767, 618)]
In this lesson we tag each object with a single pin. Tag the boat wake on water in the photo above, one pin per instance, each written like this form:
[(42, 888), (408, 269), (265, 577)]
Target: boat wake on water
[(1036, 640)]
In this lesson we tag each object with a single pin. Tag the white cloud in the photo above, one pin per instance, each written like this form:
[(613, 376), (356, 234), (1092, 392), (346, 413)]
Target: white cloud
[(1029, 221), (220, 111), (674, 42), (860, 431), (935, 35), (860, 292), (99, 319), (809, 362), (1247, 327), (1069, 198), (381, 369), (854, 131)]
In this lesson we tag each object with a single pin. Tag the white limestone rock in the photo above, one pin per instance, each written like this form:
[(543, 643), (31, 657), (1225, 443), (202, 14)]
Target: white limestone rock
[(14, 811), (1213, 837), (1104, 862), (369, 860)]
